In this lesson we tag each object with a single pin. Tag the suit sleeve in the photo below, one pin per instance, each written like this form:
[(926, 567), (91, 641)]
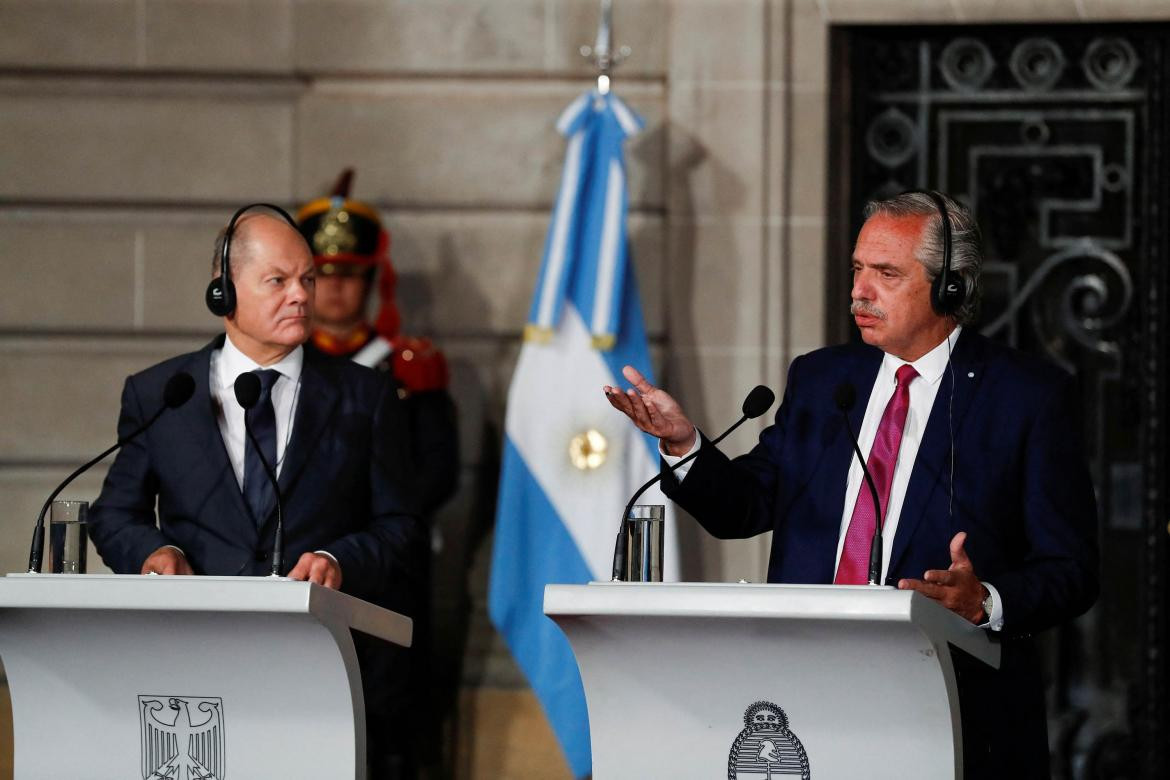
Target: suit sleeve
[(1058, 577), (387, 555), (122, 521), (736, 499)]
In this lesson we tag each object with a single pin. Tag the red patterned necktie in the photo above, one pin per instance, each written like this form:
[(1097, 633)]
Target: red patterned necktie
[(883, 456)]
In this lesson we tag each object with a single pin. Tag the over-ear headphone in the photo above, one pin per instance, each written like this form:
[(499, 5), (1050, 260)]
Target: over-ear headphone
[(947, 291), (221, 293)]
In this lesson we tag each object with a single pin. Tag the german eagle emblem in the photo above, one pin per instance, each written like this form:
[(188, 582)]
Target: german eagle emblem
[(182, 737)]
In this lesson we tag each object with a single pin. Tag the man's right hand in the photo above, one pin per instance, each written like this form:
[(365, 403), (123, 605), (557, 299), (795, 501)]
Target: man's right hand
[(166, 560), (653, 411)]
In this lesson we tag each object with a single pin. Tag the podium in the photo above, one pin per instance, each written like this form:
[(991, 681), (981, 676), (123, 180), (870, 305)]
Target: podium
[(182, 677), (767, 681)]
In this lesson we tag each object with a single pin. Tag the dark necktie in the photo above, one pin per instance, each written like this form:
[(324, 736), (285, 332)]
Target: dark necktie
[(261, 418), (883, 456)]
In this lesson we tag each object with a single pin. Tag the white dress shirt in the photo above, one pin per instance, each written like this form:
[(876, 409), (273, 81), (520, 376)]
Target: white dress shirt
[(923, 390), (227, 364)]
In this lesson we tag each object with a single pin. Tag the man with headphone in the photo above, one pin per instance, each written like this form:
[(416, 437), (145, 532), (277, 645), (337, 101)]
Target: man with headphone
[(331, 431), (985, 500)]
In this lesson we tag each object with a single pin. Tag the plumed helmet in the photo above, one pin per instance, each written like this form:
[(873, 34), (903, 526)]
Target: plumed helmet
[(347, 238)]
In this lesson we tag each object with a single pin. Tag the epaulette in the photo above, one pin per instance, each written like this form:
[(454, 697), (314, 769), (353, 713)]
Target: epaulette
[(419, 365)]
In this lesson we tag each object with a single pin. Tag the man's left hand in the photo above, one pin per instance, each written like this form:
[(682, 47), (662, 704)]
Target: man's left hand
[(956, 588), (317, 568)]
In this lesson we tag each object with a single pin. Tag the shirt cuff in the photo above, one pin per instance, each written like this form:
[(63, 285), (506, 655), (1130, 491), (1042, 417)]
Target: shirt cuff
[(333, 557), (682, 470), (995, 619)]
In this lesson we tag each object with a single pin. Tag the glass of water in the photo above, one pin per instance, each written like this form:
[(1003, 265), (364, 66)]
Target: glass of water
[(68, 538)]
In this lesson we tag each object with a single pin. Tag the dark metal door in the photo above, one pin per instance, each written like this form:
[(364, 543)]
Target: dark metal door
[(1056, 136)]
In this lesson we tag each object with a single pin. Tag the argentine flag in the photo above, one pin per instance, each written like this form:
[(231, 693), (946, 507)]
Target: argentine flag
[(570, 460)]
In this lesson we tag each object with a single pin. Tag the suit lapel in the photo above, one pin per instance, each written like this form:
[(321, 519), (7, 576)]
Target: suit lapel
[(211, 470), (830, 476), (932, 464), (314, 408)]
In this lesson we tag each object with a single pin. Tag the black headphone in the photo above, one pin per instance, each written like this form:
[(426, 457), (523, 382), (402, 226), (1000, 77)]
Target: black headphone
[(947, 291), (221, 293)]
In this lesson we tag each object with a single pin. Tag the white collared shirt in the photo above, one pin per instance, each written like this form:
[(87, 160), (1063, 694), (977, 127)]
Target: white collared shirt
[(227, 364), (923, 389)]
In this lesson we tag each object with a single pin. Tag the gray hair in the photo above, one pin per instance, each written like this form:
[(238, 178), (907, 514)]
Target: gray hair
[(966, 244)]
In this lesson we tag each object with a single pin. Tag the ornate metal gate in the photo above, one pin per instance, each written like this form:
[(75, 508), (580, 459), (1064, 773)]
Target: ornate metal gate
[(1057, 137)]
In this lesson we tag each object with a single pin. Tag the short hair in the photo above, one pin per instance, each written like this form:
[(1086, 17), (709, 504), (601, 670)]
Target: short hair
[(966, 243)]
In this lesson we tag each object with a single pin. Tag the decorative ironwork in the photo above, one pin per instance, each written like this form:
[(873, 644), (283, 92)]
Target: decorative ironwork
[(1055, 137)]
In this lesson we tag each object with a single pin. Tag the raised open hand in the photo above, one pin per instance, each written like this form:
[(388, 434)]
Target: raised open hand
[(654, 411)]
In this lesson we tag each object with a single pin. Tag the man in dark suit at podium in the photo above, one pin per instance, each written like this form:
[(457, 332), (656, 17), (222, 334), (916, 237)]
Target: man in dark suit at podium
[(332, 430), (987, 502)]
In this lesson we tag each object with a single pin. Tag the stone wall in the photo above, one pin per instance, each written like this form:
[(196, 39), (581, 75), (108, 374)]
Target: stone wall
[(132, 128)]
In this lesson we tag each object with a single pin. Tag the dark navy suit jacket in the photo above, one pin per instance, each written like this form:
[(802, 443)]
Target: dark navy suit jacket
[(1021, 491), (345, 480)]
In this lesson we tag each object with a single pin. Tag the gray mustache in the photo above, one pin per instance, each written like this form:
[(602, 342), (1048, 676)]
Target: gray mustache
[(865, 307)]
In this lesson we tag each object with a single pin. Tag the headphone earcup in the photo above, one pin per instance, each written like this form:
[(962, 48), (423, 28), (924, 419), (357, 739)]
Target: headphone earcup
[(946, 302), (221, 296)]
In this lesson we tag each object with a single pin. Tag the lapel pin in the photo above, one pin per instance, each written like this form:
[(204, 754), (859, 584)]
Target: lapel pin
[(970, 374)]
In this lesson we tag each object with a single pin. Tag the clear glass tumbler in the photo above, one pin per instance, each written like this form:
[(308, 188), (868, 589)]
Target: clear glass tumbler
[(68, 537)]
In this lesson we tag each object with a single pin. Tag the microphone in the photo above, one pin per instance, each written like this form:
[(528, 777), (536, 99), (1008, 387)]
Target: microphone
[(758, 401), (247, 389), (178, 390), (845, 396)]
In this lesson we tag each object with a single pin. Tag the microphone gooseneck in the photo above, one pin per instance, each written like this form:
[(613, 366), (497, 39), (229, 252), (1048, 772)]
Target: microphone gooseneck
[(758, 401), (247, 389), (844, 397), (178, 390)]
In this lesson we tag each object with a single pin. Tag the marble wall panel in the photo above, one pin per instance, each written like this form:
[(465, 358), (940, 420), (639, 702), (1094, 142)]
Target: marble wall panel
[(68, 34), (888, 11), (61, 396), (466, 144), (376, 36), (718, 282), (473, 273), (809, 43), (718, 41), (1125, 9), (807, 271), (1017, 10), (716, 150), (218, 35), (138, 141), (808, 161), (66, 276)]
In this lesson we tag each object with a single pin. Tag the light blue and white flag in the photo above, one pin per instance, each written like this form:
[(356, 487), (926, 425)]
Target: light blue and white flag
[(571, 461)]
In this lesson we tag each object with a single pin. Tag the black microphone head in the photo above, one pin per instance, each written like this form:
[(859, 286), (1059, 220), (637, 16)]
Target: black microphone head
[(247, 389), (845, 396), (758, 401), (179, 390)]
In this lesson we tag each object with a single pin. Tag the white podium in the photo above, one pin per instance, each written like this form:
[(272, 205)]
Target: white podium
[(182, 677), (767, 681)]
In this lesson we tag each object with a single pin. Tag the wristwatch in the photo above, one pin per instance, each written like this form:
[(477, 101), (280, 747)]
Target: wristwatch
[(988, 605)]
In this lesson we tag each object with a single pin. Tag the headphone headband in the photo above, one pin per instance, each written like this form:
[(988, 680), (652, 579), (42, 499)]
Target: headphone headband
[(947, 293), (221, 293)]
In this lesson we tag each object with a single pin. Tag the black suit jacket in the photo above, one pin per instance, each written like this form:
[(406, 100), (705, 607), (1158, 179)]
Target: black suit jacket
[(345, 480), (1021, 491)]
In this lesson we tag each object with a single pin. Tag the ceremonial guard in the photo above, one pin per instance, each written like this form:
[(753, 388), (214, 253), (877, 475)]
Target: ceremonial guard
[(351, 250)]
